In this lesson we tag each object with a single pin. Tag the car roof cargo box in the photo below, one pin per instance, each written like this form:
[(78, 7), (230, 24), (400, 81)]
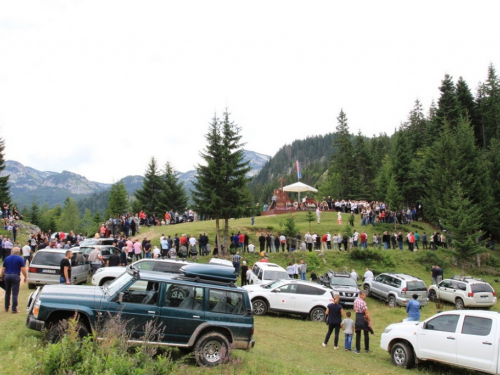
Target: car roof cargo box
[(209, 272)]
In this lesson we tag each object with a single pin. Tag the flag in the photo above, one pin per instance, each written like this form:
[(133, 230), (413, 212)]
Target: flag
[(297, 165)]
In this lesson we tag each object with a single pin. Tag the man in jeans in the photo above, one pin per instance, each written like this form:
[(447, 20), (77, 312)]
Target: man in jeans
[(13, 266), (302, 269), (95, 259), (236, 262)]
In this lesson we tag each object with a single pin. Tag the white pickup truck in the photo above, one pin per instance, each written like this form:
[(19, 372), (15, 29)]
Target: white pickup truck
[(464, 338)]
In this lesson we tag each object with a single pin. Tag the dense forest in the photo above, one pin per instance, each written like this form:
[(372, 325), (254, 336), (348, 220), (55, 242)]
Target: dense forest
[(450, 150)]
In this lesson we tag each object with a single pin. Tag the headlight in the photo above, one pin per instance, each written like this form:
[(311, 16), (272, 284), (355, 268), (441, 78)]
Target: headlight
[(36, 308)]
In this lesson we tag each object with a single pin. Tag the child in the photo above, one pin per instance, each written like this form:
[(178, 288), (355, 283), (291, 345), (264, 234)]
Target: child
[(348, 325)]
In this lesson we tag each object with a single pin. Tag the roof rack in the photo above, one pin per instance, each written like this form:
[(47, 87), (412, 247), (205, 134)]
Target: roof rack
[(465, 278)]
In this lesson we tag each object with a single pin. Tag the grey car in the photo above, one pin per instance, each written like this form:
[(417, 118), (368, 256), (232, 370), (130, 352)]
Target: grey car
[(45, 268), (396, 288), (342, 284)]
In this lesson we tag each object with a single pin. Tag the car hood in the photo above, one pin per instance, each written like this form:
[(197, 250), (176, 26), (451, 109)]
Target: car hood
[(345, 288), (79, 293), (254, 288)]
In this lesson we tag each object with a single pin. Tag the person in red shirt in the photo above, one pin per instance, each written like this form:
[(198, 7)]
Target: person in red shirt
[(241, 239), (323, 242), (363, 240)]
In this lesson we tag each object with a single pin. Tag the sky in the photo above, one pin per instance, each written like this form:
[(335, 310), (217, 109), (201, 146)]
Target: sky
[(98, 88)]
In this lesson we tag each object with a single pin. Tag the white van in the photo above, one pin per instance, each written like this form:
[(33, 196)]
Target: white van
[(263, 273)]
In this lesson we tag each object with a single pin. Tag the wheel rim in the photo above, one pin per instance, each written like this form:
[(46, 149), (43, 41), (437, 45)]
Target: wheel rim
[(432, 295), (392, 302), (399, 356), (211, 351), (459, 304), (318, 315), (259, 308)]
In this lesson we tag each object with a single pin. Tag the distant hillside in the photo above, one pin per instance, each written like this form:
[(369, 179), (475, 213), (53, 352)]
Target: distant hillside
[(313, 154), (27, 184)]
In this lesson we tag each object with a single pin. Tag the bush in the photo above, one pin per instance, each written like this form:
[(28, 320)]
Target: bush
[(431, 258), (367, 255)]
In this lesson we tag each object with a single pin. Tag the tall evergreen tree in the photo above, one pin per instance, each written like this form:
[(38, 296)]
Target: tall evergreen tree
[(118, 200), (466, 101), (34, 213), (448, 108), (342, 170), (149, 195), (173, 195), (4, 181), (490, 106)]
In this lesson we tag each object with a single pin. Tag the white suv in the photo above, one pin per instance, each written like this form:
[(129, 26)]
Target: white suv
[(264, 272), (464, 291), (105, 275), (291, 296)]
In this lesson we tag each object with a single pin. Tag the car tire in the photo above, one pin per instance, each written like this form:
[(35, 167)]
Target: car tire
[(31, 286), (391, 301), (402, 355), (59, 329), (432, 295), (211, 349), (259, 307), (459, 304), (366, 288), (318, 314)]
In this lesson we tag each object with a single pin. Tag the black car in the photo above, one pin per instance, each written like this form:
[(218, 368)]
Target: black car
[(342, 284)]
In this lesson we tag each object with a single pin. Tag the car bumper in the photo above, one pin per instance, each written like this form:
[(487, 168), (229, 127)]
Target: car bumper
[(244, 345), (32, 323)]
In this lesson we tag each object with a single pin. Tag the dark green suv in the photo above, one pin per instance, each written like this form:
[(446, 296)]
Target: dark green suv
[(202, 310)]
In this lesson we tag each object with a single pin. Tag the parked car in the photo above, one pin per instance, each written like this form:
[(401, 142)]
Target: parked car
[(105, 275), (202, 311), (464, 291), (45, 268), (342, 284), (291, 296), (263, 273), (396, 288), (464, 338), (106, 251)]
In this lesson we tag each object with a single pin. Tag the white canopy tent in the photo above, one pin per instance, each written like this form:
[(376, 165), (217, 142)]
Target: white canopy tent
[(299, 187)]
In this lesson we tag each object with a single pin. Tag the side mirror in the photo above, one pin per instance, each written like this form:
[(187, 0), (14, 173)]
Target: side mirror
[(277, 290), (120, 297)]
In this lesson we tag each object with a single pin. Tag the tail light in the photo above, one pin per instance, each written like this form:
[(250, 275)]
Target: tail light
[(494, 294), (32, 269), (470, 294), (403, 291)]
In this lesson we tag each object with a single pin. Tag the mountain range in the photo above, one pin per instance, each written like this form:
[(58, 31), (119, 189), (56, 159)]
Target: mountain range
[(28, 184)]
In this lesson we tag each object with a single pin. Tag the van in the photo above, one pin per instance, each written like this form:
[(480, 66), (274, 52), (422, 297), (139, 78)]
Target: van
[(263, 273), (45, 268)]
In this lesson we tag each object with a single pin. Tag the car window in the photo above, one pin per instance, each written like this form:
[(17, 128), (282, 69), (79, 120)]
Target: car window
[(184, 297), (481, 288), (289, 288), (48, 259), (225, 302), (444, 284), (387, 280), (415, 286), (275, 275), (443, 323), (311, 290), (142, 292), (259, 275), (255, 269), (343, 281), (454, 284), (380, 278), (145, 265), (477, 326), (462, 286)]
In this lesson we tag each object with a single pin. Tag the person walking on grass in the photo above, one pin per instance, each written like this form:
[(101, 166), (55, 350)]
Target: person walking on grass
[(13, 266), (334, 313), (348, 327), (362, 322)]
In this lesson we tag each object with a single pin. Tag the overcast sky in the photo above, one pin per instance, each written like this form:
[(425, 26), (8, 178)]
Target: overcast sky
[(99, 87)]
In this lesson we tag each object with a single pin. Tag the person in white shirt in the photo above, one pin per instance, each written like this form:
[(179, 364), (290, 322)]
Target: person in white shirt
[(368, 276), (251, 247), (27, 252), (354, 274)]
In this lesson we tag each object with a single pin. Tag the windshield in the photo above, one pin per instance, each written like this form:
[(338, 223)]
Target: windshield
[(343, 281), (47, 258), (272, 285), (275, 275), (117, 283)]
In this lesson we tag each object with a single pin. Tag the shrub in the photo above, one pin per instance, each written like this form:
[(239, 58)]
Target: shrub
[(367, 255)]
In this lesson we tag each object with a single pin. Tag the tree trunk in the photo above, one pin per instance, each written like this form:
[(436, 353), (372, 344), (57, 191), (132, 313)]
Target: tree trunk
[(226, 233), (219, 244)]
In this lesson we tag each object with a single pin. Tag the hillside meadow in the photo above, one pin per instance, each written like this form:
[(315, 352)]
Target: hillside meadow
[(285, 344)]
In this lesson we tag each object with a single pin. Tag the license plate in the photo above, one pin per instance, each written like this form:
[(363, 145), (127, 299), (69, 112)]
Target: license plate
[(48, 271)]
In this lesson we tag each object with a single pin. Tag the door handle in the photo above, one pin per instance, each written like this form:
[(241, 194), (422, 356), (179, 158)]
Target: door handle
[(196, 316), (450, 338), (151, 312), (487, 343)]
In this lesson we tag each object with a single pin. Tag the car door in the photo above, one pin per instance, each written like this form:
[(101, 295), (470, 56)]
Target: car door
[(182, 311), (138, 306), (437, 338), (477, 343), (79, 268), (446, 291), (377, 284), (283, 297), (309, 296)]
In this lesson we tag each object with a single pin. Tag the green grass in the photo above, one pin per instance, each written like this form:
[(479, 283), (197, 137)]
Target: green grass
[(284, 344)]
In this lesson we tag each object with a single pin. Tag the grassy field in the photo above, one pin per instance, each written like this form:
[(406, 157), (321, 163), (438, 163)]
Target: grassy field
[(284, 344)]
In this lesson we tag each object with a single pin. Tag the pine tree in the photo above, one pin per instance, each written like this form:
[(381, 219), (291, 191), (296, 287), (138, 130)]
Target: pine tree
[(148, 196), (448, 108), (118, 200), (466, 101), (173, 196), (490, 106), (34, 213), (4, 181), (342, 169)]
